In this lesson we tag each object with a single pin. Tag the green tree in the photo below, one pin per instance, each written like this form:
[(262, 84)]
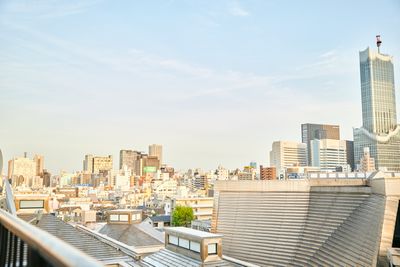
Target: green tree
[(182, 216)]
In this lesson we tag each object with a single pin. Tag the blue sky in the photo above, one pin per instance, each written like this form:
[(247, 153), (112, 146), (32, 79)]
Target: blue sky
[(215, 82)]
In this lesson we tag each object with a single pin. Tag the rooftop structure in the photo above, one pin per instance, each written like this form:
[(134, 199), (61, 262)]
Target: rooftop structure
[(322, 222)]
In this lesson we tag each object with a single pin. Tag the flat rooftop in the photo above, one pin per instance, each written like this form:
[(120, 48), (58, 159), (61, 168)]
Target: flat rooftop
[(191, 232)]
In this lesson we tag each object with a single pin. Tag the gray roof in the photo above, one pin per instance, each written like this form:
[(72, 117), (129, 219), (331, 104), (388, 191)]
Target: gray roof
[(80, 240), (129, 234), (167, 258), (161, 218)]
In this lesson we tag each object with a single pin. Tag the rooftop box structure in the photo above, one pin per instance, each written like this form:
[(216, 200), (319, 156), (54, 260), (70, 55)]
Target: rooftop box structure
[(199, 245), (124, 216)]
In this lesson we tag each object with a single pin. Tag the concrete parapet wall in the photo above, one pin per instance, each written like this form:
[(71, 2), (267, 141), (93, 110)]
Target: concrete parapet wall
[(302, 185)]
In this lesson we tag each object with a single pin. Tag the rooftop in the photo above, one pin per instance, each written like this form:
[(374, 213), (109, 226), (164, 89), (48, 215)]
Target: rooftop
[(191, 232), (129, 234)]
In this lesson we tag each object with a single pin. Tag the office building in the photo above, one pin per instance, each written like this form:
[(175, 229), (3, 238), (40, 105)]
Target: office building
[(350, 154), (287, 154), (97, 164), (380, 131), (21, 170), (267, 173), (156, 151), (39, 161), (310, 131), (328, 154), (128, 158), (102, 164), (88, 164)]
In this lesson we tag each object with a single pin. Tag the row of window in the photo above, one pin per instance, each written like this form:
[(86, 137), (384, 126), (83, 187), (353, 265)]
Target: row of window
[(191, 245)]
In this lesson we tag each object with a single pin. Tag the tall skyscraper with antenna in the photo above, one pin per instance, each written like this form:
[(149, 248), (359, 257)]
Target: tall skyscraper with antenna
[(380, 131)]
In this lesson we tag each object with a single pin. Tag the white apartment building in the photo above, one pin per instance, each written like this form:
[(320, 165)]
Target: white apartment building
[(328, 154)]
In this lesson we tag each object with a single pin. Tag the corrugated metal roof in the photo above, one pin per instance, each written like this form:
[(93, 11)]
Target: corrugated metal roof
[(82, 241), (129, 234)]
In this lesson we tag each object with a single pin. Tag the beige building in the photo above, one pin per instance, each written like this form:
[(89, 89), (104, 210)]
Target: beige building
[(287, 154), (39, 160), (367, 163), (22, 171), (202, 206), (97, 164), (156, 150)]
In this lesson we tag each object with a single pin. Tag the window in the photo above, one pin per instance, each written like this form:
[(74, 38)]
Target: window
[(195, 246), (114, 217), (212, 249), (184, 243), (123, 217), (31, 204), (173, 240)]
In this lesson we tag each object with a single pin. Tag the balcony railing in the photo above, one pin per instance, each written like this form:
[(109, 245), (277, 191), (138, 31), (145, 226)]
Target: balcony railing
[(22, 244)]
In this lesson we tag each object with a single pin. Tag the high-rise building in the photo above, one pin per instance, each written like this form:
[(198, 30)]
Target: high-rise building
[(39, 160), (22, 171), (310, 131), (328, 154), (97, 164), (102, 164), (128, 158), (156, 150), (88, 164), (287, 154), (380, 131), (350, 154)]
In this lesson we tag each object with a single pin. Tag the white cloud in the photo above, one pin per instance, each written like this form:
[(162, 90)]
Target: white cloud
[(237, 10)]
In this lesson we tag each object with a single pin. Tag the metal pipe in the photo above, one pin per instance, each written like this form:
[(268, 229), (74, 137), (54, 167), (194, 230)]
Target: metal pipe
[(54, 250)]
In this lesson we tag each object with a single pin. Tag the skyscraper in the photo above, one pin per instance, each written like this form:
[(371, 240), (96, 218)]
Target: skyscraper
[(310, 131), (379, 131), (156, 150)]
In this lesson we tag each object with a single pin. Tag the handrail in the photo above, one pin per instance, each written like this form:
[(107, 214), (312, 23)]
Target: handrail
[(55, 251)]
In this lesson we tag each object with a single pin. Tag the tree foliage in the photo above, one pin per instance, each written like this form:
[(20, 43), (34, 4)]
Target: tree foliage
[(182, 216)]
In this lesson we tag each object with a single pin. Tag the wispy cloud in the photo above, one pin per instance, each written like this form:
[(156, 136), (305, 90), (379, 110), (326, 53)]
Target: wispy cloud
[(236, 9), (48, 9)]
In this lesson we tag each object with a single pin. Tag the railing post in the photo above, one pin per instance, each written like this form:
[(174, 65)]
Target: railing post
[(3, 245)]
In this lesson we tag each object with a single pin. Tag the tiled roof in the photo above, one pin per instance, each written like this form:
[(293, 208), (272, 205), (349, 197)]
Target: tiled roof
[(82, 241)]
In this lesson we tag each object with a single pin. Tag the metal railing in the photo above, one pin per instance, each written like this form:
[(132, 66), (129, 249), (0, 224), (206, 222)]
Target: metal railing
[(22, 244)]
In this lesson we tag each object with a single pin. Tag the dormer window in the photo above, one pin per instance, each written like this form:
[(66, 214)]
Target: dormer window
[(184, 243), (212, 249), (203, 246)]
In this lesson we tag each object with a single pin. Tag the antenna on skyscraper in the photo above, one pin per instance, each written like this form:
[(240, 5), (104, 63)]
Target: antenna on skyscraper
[(378, 42)]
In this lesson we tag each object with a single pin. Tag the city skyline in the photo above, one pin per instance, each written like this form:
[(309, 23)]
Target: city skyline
[(208, 102)]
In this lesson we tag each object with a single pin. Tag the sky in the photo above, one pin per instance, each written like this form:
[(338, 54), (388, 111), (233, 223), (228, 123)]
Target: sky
[(214, 82)]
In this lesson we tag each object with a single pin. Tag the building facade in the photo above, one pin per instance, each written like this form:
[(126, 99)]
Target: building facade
[(380, 131), (22, 171), (310, 131), (267, 173), (127, 158), (287, 154), (328, 154), (97, 164), (156, 151)]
